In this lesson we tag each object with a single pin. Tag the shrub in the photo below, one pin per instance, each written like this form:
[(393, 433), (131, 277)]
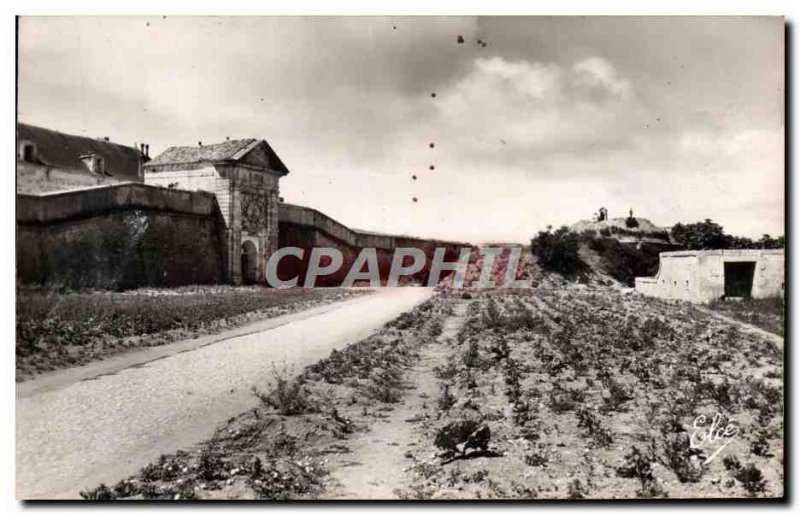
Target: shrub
[(521, 412), (446, 399), (576, 490), (209, 464), (282, 444), (731, 463), (625, 262), (511, 372), (522, 318), (472, 358), (446, 372), (536, 459), (382, 385), (595, 429), (164, 469), (639, 465), (500, 349), (723, 393), (558, 251), (760, 446), (684, 461), (256, 468), (288, 395), (101, 493), (562, 400), (287, 479), (619, 395), (751, 478), (491, 317)]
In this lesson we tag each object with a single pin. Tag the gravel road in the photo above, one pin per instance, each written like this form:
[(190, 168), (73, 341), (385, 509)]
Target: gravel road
[(106, 428)]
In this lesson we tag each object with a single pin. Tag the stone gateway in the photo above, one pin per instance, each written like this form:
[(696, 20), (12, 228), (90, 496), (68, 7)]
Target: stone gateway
[(244, 175)]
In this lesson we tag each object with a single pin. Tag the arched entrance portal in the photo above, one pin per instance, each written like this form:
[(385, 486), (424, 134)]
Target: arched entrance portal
[(249, 262)]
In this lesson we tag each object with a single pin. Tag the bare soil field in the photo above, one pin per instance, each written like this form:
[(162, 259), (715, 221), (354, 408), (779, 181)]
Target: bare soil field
[(59, 330), (549, 393)]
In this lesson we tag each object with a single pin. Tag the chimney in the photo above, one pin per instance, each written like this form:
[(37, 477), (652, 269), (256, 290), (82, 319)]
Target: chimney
[(141, 149), (147, 150), (199, 143)]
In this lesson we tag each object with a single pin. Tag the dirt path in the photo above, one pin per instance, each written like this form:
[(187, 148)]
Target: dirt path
[(748, 328), (104, 429), (377, 466)]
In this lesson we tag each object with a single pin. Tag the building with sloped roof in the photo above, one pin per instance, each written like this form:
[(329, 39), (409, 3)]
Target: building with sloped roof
[(205, 214), (49, 160), (244, 175)]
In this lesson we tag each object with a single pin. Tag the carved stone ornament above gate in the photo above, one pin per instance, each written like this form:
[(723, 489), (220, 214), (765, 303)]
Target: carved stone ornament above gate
[(254, 212)]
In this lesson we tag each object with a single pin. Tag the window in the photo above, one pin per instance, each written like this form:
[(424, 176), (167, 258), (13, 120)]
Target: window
[(28, 152), (95, 163), (100, 166)]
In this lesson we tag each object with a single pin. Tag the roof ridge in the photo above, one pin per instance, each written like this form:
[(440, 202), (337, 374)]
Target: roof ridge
[(87, 138), (64, 150)]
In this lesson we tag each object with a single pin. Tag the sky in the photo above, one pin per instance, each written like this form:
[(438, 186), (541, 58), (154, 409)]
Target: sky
[(542, 123)]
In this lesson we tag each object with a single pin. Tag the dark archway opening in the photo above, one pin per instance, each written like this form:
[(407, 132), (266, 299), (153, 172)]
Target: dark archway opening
[(249, 262), (739, 279)]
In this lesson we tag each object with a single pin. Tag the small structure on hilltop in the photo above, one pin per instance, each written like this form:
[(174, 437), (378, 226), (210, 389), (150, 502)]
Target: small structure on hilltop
[(632, 231), (631, 222), (708, 275)]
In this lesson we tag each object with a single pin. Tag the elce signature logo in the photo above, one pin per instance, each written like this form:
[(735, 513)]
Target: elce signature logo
[(704, 434)]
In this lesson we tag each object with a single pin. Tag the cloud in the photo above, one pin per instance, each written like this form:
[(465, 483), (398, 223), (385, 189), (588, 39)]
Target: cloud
[(598, 74), (520, 112)]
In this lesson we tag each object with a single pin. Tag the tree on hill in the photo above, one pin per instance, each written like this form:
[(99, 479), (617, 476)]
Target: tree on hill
[(557, 251), (709, 235), (768, 242), (699, 236)]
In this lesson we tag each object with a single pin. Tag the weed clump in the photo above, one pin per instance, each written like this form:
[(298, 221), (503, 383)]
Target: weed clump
[(595, 430), (684, 461), (287, 395), (749, 476), (639, 465)]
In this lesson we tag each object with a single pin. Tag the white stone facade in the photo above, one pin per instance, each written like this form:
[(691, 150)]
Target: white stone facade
[(246, 185), (700, 276)]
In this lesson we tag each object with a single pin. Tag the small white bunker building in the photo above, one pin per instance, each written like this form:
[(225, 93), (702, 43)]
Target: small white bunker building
[(707, 275)]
